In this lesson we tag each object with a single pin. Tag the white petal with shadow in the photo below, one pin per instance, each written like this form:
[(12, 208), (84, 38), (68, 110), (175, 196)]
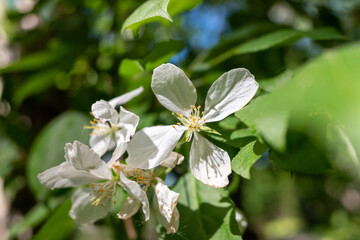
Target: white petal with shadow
[(129, 208), (173, 88), (82, 210), (65, 175), (83, 158), (209, 163), (136, 193), (229, 93), (151, 146)]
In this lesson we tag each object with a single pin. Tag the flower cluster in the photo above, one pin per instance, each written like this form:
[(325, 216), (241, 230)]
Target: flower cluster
[(150, 150)]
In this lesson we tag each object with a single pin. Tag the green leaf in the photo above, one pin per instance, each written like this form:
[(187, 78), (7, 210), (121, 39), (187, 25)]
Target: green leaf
[(342, 152), (242, 133), (36, 61), (178, 6), (302, 155), (48, 148), (326, 33), (331, 86), (246, 157), (268, 41), (130, 68), (59, 225), (268, 120), (161, 53), (149, 11), (229, 123), (325, 91), (274, 39), (225, 45), (35, 84), (205, 212), (269, 85)]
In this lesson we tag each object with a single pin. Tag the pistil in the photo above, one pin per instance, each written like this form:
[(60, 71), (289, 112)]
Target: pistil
[(193, 121)]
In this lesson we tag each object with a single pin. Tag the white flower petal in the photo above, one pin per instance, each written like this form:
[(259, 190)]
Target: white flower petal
[(150, 146), (82, 211), (229, 93), (129, 208), (173, 225), (172, 160), (118, 152), (173, 88), (137, 193), (103, 110), (128, 122), (99, 143), (65, 175), (166, 199), (209, 163), (84, 158), (122, 99)]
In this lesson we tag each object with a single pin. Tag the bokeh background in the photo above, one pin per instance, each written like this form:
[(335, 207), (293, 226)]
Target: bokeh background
[(59, 57)]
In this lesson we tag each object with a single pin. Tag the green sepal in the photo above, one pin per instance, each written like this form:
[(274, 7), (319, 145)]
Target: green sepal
[(186, 136), (209, 130), (113, 173), (159, 171)]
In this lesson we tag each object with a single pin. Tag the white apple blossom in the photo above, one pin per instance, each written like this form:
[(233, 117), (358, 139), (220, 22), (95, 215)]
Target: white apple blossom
[(83, 166), (208, 163), (165, 200), (110, 128)]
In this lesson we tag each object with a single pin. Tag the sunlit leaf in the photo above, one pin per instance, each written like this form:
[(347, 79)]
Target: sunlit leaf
[(130, 68), (178, 6), (325, 91), (273, 39), (48, 148), (273, 127), (149, 11), (342, 152), (246, 157), (271, 84)]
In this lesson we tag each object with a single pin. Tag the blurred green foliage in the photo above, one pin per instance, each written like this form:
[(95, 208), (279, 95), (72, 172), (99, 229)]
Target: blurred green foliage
[(298, 139)]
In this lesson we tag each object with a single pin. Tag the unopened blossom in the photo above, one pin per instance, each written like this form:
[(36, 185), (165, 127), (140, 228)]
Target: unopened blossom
[(110, 128), (83, 167), (208, 163), (165, 200)]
